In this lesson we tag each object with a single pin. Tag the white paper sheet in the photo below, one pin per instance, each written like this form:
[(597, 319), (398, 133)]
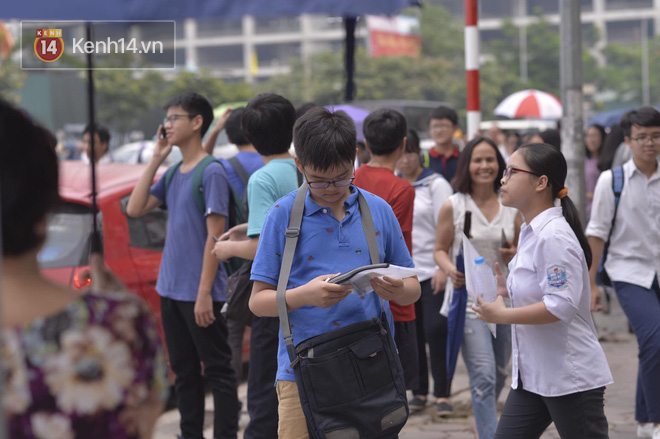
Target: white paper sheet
[(361, 282)]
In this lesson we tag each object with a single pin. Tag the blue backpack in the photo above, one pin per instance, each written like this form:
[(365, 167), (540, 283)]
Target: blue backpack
[(617, 188)]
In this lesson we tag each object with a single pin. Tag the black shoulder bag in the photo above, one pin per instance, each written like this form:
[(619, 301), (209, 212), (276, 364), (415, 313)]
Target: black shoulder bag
[(350, 380)]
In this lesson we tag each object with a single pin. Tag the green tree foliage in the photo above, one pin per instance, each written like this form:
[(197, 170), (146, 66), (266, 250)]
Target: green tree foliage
[(123, 96), (11, 80), (214, 89)]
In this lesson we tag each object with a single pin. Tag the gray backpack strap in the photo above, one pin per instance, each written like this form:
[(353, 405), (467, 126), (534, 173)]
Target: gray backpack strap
[(369, 229), (292, 233)]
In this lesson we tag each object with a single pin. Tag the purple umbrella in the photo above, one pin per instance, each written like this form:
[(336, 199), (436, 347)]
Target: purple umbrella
[(356, 113)]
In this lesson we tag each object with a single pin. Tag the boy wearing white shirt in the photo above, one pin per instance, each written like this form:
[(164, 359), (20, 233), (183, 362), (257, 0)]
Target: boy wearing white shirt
[(633, 259)]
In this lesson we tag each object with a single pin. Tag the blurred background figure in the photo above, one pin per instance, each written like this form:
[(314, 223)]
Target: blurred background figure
[(88, 365), (101, 142), (431, 190), (594, 137)]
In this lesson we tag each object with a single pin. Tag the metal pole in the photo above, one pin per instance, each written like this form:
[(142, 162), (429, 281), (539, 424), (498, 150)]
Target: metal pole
[(472, 67), (3, 421), (349, 58), (96, 237), (570, 63), (646, 86)]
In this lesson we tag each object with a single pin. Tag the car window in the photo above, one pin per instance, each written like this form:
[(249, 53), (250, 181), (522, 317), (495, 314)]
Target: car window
[(68, 237), (148, 231)]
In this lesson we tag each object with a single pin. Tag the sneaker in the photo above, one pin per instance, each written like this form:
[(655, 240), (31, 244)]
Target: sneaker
[(444, 408), (416, 404), (645, 430), (656, 432)]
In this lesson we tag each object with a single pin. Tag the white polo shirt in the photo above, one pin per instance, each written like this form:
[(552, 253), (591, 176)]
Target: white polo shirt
[(634, 253), (564, 357)]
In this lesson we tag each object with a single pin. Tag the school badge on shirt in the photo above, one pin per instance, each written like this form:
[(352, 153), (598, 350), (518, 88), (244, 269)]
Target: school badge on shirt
[(557, 276)]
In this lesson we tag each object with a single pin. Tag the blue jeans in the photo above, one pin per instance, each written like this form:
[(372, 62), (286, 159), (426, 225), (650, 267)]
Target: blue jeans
[(487, 362), (642, 307)]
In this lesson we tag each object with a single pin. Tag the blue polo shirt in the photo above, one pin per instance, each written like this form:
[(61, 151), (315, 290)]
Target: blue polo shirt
[(327, 246), (181, 264)]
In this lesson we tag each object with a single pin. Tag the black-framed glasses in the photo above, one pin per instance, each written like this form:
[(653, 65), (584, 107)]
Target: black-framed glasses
[(511, 170), (644, 139), (173, 117), (324, 184)]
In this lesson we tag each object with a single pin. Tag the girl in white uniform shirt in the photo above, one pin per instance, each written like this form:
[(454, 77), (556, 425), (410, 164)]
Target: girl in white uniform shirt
[(559, 368)]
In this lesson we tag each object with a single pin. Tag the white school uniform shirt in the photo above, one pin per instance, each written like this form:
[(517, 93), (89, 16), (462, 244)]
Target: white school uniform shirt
[(634, 252), (564, 357)]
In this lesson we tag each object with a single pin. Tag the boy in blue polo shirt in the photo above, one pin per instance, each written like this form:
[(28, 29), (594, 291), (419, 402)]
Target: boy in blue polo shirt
[(331, 240)]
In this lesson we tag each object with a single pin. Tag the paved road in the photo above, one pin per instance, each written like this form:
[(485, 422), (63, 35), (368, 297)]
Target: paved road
[(620, 348)]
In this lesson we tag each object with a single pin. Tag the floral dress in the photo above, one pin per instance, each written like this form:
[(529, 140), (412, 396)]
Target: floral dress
[(82, 372)]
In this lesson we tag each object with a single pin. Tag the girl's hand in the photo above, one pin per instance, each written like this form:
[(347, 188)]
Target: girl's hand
[(490, 312), (507, 252), (457, 278), (438, 281)]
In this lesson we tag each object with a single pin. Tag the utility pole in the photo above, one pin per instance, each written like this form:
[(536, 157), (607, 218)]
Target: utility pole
[(646, 87), (570, 66)]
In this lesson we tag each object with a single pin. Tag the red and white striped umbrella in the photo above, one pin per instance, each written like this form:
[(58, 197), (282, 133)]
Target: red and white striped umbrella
[(530, 104)]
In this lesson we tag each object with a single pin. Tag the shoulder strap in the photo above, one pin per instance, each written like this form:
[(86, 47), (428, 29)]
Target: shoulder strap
[(240, 169), (292, 233), (198, 182), (617, 188)]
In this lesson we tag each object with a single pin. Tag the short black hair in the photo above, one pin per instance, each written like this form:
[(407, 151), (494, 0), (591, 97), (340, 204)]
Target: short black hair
[(268, 123), (552, 138), (444, 112), (194, 104), (384, 130), (642, 116), (234, 129), (412, 142), (462, 182), (102, 131), (28, 179), (324, 140), (304, 108)]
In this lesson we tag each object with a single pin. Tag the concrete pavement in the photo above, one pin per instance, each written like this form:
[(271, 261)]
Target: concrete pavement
[(620, 348)]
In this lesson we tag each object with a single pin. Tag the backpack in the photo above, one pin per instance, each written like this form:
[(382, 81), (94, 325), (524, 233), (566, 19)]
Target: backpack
[(617, 188), (236, 213)]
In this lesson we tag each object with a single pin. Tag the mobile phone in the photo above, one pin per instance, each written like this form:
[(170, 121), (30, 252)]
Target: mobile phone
[(162, 133), (504, 243)]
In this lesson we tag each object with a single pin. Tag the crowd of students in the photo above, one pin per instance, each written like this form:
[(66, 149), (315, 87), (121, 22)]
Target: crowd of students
[(522, 221)]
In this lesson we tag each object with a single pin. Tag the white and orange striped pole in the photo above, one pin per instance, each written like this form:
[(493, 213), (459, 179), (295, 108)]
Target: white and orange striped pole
[(472, 67)]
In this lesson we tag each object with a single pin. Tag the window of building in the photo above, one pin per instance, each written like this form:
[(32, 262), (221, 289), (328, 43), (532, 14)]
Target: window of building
[(628, 4), (273, 55), (220, 57), (217, 27), (276, 25)]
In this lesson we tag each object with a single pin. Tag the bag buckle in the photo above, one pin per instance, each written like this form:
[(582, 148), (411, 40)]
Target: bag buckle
[(292, 232), (295, 362)]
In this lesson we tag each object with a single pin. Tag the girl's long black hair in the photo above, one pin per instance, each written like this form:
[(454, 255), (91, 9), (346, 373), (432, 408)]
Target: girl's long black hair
[(547, 160)]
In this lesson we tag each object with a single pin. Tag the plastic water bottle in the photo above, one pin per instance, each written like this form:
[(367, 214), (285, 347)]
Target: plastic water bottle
[(484, 280)]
